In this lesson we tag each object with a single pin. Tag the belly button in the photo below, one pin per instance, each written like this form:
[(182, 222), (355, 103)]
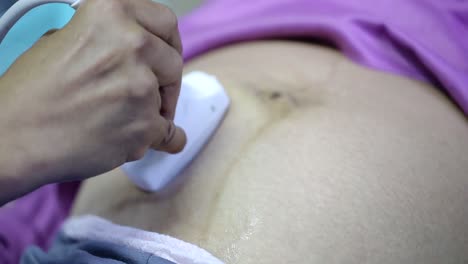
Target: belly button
[(275, 95), (282, 98), (292, 99)]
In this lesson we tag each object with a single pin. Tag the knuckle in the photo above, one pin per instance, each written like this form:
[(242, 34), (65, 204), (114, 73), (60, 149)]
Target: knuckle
[(145, 84), (138, 40), (139, 91), (147, 78)]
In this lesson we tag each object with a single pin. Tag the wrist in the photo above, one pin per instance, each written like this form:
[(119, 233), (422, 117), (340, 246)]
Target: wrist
[(17, 173), (12, 185)]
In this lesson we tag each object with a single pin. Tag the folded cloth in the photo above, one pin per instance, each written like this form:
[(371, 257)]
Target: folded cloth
[(75, 251), (172, 249)]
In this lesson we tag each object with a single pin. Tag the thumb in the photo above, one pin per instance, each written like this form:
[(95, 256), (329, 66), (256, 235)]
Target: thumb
[(174, 139)]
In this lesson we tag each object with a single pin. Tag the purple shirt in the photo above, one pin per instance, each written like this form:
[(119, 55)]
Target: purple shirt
[(422, 39), (34, 219)]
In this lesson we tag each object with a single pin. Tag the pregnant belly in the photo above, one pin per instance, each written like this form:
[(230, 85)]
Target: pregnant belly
[(318, 159)]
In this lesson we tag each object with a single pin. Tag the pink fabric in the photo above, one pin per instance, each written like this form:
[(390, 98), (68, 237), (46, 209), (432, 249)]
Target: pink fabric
[(422, 39), (34, 219)]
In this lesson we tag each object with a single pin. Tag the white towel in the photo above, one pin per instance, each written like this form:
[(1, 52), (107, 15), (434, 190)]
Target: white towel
[(172, 249)]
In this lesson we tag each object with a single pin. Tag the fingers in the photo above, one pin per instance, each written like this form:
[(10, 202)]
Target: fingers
[(173, 140), (167, 64), (162, 49), (169, 97), (163, 135), (153, 130), (150, 37), (157, 19), (164, 60)]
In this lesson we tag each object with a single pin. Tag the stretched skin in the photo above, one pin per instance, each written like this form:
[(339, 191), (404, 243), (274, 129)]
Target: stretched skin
[(318, 161)]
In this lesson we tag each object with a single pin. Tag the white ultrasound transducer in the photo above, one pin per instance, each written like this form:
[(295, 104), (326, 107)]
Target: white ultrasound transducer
[(202, 105)]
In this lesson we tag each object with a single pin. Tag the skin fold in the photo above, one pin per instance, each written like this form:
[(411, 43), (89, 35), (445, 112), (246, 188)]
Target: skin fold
[(319, 160)]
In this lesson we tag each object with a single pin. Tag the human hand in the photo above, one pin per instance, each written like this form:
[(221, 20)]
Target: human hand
[(94, 95)]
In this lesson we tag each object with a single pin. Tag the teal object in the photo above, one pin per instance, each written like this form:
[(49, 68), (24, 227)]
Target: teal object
[(30, 28)]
